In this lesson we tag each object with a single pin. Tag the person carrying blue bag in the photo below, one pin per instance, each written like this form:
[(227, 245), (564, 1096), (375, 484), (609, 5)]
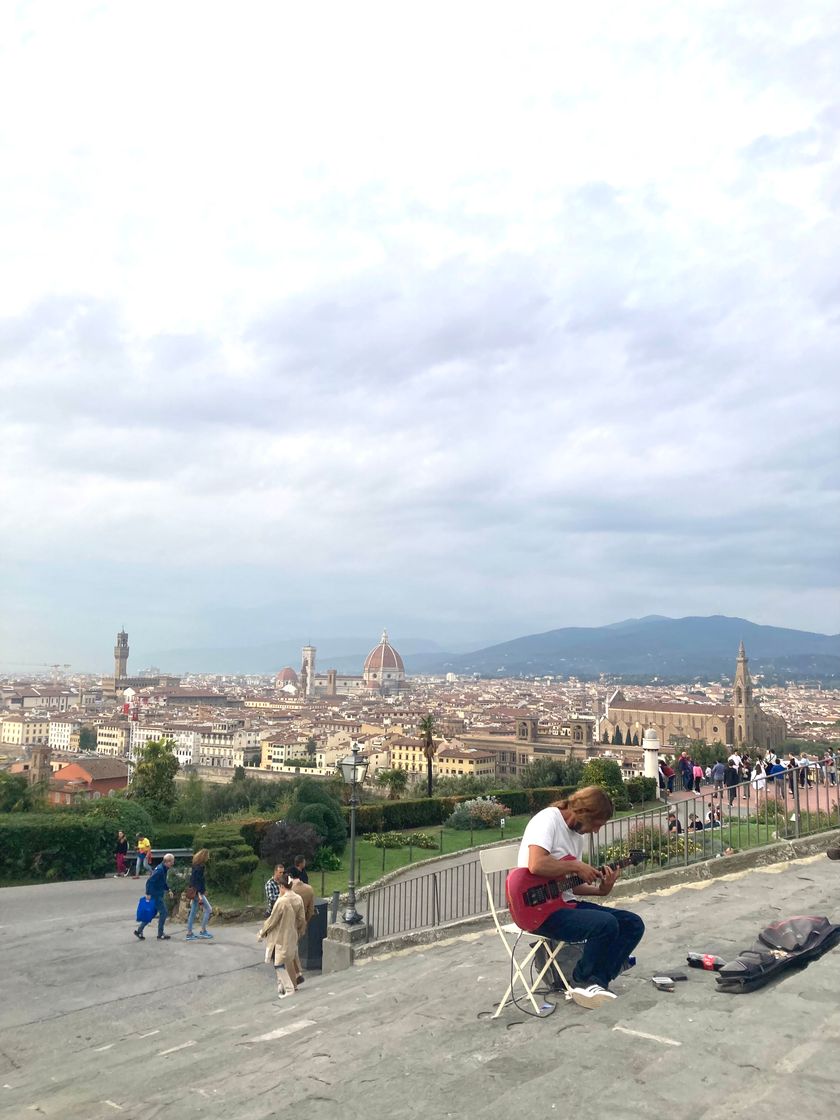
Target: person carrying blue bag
[(156, 889)]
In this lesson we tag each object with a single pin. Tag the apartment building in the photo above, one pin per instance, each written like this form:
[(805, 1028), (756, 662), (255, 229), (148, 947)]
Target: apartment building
[(228, 743), (24, 730), (184, 738), (64, 734), (113, 739)]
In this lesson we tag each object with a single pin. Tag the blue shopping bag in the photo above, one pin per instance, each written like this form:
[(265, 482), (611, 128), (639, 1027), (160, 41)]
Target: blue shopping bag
[(146, 909)]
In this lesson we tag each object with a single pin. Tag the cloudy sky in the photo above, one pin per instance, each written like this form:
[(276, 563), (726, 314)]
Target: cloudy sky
[(470, 320)]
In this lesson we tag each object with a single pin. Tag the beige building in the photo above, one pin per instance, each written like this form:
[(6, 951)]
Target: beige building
[(512, 753), (741, 723), (464, 762), (113, 739), (24, 731)]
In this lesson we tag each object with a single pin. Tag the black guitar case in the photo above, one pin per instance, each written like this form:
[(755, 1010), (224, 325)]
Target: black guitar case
[(790, 943)]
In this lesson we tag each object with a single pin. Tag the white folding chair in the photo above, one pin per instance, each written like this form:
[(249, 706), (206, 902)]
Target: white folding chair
[(503, 859)]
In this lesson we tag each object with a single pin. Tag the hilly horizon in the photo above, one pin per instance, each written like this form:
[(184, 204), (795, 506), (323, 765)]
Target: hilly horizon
[(653, 646), (634, 648)]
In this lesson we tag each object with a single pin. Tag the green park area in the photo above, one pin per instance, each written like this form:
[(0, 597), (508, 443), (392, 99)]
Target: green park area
[(248, 825)]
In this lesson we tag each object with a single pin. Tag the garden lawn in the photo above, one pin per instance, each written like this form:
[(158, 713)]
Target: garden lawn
[(372, 862)]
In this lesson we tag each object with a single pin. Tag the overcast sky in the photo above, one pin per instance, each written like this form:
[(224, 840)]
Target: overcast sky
[(468, 320)]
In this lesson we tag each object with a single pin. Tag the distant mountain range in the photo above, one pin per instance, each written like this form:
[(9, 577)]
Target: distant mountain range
[(654, 646), (637, 649)]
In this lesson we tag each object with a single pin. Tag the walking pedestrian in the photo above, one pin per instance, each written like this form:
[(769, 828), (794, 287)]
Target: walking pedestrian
[(272, 888), (307, 896), (156, 890), (717, 777), (281, 931), (120, 852), (299, 870), (143, 845), (730, 780), (759, 779), (698, 776), (686, 769), (197, 894)]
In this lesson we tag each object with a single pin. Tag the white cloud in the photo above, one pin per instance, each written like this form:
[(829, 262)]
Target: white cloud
[(484, 325)]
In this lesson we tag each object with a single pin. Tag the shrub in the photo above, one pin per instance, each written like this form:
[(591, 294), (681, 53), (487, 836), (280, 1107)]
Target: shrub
[(286, 839), (367, 817), (401, 840), (546, 795), (482, 812), (55, 846), (232, 862), (640, 790), (130, 816), (312, 803), (324, 859), (253, 832), (171, 835), (327, 822), (606, 773)]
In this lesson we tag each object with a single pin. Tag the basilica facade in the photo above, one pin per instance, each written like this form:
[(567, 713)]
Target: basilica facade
[(741, 723)]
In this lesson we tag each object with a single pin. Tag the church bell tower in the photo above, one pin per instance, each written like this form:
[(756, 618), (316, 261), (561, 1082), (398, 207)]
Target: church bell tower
[(121, 657), (742, 701)]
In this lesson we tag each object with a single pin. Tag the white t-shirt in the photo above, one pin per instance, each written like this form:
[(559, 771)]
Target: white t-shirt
[(547, 829)]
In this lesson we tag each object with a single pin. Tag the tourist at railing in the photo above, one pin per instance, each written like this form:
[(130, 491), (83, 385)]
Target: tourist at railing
[(759, 779), (686, 769)]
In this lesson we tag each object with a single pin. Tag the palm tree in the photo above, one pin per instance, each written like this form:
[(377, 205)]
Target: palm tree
[(426, 727), (395, 780)]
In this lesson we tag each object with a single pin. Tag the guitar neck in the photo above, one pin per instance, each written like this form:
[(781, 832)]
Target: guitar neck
[(576, 881)]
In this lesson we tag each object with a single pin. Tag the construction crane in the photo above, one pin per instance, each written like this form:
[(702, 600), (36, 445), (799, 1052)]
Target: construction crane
[(56, 666)]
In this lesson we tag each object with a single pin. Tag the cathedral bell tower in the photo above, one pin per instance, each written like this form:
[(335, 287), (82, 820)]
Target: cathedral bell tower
[(742, 701), (121, 656)]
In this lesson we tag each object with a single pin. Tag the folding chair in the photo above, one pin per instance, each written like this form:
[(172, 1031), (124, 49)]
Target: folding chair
[(503, 859)]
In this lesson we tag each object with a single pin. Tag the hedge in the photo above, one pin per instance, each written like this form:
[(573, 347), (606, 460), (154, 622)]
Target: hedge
[(232, 862), (171, 835), (640, 790), (55, 846), (394, 816)]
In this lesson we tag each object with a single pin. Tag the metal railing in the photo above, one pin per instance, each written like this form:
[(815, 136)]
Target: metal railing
[(747, 815)]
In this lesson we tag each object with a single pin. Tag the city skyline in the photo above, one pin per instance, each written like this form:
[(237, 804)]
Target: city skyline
[(348, 319)]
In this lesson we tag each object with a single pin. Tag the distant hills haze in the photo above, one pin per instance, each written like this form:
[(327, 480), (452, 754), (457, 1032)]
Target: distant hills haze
[(639, 648)]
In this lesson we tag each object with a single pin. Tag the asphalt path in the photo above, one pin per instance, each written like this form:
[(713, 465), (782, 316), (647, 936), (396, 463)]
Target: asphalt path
[(94, 1024)]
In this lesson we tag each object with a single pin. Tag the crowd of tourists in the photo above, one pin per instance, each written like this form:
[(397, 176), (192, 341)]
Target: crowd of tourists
[(740, 774)]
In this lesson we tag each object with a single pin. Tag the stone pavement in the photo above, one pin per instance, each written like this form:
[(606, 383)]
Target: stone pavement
[(94, 1024)]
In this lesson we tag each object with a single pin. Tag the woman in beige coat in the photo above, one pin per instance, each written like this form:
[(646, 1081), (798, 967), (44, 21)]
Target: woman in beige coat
[(282, 929)]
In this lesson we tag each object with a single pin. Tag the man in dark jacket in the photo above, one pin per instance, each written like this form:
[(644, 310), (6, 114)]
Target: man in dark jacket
[(730, 780), (156, 889)]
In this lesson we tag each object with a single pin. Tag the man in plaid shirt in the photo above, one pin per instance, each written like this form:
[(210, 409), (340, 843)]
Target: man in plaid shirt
[(272, 888)]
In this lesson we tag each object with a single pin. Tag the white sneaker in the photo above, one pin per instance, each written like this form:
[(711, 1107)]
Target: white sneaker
[(591, 997)]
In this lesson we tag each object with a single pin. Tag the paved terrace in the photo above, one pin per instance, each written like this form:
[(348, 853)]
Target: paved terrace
[(94, 1024)]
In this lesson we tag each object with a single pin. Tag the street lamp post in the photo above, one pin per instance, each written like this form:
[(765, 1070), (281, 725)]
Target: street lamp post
[(353, 771)]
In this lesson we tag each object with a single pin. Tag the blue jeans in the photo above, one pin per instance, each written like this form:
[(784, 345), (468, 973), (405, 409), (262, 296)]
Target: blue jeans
[(162, 915), (610, 937), (208, 912)]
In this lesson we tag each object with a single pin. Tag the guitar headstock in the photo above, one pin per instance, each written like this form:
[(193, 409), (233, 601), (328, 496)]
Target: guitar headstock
[(636, 856)]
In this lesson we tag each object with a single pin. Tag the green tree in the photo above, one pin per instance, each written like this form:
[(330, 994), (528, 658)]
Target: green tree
[(16, 794), (607, 774), (551, 772), (427, 730), (313, 803), (87, 739), (153, 781), (394, 781)]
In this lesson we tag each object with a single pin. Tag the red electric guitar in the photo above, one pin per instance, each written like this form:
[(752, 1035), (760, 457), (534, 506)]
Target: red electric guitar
[(532, 899)]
